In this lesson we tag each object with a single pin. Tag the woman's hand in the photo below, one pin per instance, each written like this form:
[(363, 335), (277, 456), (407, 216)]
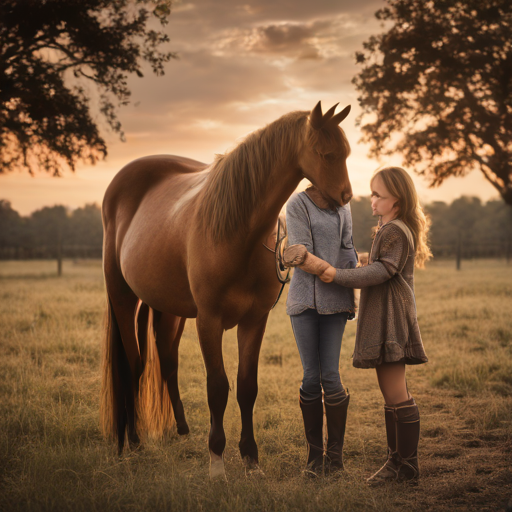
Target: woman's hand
[(298, 256), (295, 255)]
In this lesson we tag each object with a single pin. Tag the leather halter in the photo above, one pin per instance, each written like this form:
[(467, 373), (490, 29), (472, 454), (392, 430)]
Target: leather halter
[(282, 271)]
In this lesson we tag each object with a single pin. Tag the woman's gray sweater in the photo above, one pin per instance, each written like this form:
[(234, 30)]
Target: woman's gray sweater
[(328, 235)]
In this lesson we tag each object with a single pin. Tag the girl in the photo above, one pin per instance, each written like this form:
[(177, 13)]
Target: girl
[(388, 336), (318, 313)]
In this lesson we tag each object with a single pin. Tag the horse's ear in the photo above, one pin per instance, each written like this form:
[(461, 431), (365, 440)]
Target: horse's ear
[(336, 120), (315, 118), (329, 113)]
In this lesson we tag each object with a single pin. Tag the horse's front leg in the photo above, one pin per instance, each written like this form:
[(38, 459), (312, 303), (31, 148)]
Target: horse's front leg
[(209, 330), (250, 335)]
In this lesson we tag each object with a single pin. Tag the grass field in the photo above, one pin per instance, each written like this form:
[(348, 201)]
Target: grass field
[(54, 458)]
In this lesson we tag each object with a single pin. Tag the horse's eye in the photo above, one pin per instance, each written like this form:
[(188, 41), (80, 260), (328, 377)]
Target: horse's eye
[(330, 157)]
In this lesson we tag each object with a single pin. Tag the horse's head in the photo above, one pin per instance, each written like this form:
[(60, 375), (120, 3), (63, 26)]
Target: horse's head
[(324, 154)]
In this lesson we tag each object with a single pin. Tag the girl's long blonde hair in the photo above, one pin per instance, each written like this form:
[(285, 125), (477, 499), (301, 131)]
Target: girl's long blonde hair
[(410, 211)]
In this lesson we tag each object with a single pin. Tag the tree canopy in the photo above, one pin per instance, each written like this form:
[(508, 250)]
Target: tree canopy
[(51, 52), (437, 88)]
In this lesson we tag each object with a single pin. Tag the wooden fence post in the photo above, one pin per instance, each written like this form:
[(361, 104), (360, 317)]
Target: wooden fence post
[(459, 249)]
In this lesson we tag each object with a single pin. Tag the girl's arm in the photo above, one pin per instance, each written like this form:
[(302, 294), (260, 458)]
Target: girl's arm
[(371, 275)]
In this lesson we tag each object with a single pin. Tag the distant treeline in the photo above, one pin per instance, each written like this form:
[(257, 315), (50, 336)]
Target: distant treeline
[(476, 229), (75, 233)]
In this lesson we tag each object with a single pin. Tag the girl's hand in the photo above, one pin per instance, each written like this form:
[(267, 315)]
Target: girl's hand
[(328, 275)]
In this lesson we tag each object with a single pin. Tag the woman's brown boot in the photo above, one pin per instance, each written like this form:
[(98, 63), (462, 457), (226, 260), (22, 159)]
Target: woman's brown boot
[(336, 407), (313, 416), (402, 429)]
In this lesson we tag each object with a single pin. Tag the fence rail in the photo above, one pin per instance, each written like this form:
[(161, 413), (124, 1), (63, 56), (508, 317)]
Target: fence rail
[(500, 249), (491, 249), (50, 253)]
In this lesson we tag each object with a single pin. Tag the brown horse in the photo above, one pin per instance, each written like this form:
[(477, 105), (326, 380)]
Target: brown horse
[(183, 239)]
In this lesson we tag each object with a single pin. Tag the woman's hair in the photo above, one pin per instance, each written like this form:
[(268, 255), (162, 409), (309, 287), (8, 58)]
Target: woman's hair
[(400, 185)]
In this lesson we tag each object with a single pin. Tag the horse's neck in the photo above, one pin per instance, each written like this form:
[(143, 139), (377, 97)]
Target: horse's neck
[(248, 189), (282, 182)]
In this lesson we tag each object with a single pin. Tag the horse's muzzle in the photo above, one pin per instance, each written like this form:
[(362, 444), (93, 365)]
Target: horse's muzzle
[(346, 197)]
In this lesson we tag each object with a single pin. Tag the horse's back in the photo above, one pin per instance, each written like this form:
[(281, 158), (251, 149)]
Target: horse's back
[(135, 179)]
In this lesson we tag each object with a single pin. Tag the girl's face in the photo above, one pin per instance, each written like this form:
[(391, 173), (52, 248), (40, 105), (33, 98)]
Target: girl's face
[(383, 203)]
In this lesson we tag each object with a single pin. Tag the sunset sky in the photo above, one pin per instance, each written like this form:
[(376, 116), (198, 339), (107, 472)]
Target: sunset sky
[(241, 66)]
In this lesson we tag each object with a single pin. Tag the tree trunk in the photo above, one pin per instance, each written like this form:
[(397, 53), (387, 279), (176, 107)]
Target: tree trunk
[(506, 194), (59, 251)]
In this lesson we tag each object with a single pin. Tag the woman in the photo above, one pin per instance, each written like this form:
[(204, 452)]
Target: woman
[(318, 313), (388, 336)]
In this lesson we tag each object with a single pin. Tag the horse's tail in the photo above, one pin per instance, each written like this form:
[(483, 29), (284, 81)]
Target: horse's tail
[(154, 408), (109, 397)]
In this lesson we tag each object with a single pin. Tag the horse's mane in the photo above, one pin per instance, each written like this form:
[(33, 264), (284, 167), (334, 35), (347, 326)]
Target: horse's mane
[(238, 178)]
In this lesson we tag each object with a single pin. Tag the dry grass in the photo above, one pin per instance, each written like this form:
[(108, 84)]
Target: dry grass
[(53, 456)]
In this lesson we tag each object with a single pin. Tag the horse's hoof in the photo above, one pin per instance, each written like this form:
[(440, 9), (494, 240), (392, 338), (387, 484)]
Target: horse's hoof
[(183, 429), (252, 469), (217, 471), (134, 443), (136, 448)]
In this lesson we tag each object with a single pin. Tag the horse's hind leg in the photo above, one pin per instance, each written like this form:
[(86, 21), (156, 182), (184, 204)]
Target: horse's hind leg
[(169, 329), (250, 334), (127, 365)]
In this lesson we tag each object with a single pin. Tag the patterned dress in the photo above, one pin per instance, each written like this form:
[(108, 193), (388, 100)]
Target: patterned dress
[(387, 327)]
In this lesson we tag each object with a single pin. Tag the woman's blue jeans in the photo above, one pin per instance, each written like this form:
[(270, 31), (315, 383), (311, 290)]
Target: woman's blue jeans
[(318, 338)]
